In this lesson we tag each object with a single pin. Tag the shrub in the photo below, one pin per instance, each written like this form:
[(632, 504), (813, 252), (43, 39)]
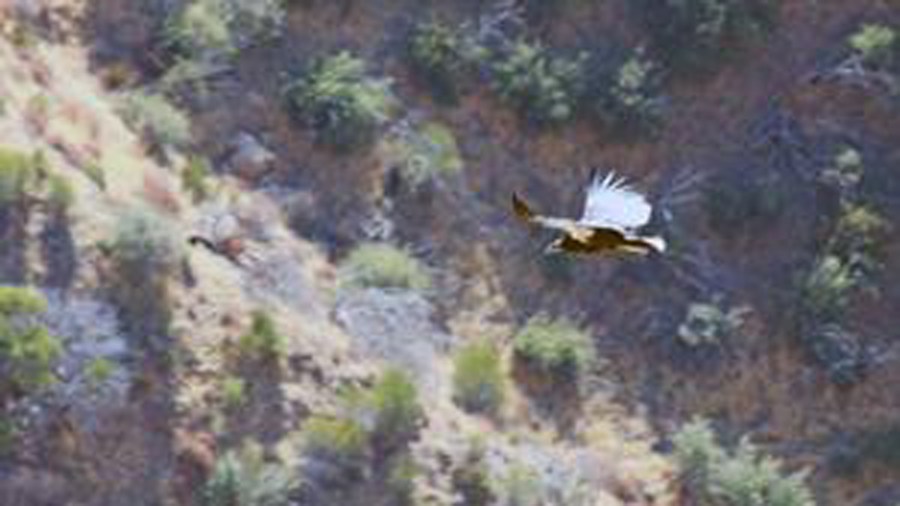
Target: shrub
[(343, 104), (245, 479), (144, 244), (826, 289), (740, 478), (554, 347), (423, 153), (395, 409), (96, 173), (99, 370), (194, 178), (336, 440), (17, 175), (163, 124), (710, 323), (60, 194), (877, 45), (697, 35), (198, 29), (545, 88), (472, 479), (234, 392), (478, 382), (445, 57), (401, 479), (384, 266), (27, 350), (262, 341), (630, 103), (859, 230), (847, 172)]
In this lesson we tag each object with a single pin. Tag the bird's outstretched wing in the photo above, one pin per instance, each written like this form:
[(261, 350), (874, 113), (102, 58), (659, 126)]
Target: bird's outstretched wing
[(612, 203), (524, 212)]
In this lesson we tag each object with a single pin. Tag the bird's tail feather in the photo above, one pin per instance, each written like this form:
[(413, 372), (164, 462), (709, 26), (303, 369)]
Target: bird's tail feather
[(522, 210), (657, 243)]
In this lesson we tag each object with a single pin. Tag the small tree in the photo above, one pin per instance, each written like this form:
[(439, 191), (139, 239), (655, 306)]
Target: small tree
[(445, 57), (244, 478), (554, 347), (163, 124), (341, 102), (877, 45), (395, 407), (262, 341)]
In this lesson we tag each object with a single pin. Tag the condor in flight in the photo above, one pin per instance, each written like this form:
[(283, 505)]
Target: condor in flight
[(613, 214)]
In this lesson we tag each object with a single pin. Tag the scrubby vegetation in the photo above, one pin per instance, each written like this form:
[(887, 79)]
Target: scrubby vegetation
[(27, 349), (478, 380), (244, 478), (706, 324), (878, 46), (544, 87), (207, 29), (341, 102), (742, 477), (162, 124), (262, 341), (423, 152), (555, 347), (17, 175), (384, 266), (446, 57)]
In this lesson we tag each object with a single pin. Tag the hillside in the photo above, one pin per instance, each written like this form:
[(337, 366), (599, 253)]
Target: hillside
[(261, 252)]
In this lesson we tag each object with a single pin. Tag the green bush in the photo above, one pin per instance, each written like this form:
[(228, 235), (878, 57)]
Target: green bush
[(383, 266), (394, 405), (878, 45), (545, 88), (698, 35), (630, 103), (99, 370), (337, 440), (827, 287), (445, 57), (710, 323), (262, 341), (245, 479), (743, 477), (859, 230), (341, 102), (234, 392), (17, 176), (204, 29), (27, 351), (554, 347), (401, 479), (423, 152), (478, 381), (144, 244), (194, 178), (60, 194), (163, 124)]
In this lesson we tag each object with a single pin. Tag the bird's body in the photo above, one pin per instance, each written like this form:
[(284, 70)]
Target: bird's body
[(609, 225)]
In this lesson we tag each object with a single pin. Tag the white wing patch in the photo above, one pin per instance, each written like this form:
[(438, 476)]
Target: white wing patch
[(612, 203)]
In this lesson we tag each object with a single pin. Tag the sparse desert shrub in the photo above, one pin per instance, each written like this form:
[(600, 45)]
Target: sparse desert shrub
[(545, 88), (340, 441), (60, 194), (710, 323), (826, 289), (629, 104), (163, 124), (471, 478), (519, 486), (384, 266), (262, 341), (27, 350), (395, 409), (144, 244), (554, 347), (99, 370), (743, 477), (401, 479), (877, 45), (859, 230), (446, 57), (17, 176), (697, 35), (341, 102), (478, 381), (194, 178), (234, 392), (423, 152), (244, 478), (198, 29)]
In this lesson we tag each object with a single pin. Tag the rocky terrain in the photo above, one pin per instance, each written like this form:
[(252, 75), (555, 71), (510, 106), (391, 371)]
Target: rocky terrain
[(260, 252)]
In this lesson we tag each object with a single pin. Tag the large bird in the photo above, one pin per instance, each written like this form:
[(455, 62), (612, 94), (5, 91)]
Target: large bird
[(613, 214)]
